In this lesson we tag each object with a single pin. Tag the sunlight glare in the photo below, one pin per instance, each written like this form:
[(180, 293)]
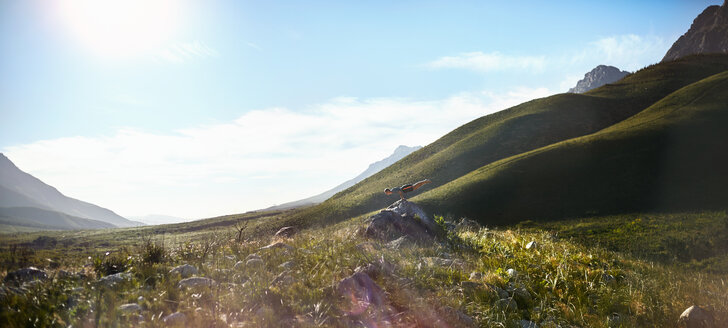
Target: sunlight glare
[(113, 28)]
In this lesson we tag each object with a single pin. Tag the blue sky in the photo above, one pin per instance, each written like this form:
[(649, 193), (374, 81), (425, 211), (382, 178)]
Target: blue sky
[(160, 106)]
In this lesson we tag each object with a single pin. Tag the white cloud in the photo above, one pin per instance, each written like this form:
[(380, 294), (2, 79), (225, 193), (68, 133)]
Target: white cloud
[(485, 62), (182, 52), (264, 157), (627, 52)]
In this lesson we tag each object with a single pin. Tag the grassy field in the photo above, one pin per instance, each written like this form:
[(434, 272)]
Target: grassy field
[(592, 272)]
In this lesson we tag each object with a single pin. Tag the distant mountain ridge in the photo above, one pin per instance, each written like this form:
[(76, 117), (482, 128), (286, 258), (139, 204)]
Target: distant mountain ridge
[(399, 153), (20, 189), (598, 77), (708, 34), (41, 219)]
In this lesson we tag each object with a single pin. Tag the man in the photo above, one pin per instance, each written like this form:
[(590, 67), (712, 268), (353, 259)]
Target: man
[(406, 188)]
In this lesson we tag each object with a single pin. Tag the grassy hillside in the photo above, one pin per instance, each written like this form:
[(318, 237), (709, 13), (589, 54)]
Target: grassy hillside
[(31, 218), (520, 129), (671, 156)]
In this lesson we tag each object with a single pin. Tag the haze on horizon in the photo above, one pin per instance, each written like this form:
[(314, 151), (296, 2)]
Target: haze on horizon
[(198, 109)]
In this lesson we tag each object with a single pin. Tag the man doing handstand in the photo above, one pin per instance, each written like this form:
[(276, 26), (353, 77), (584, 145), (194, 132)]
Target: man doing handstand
[(406, 188)]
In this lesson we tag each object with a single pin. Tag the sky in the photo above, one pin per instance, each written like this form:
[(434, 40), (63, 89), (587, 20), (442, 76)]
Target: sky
[(203, 108)]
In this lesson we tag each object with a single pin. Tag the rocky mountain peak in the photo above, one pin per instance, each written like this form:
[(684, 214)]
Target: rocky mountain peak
[(598, 77), (707, 34)]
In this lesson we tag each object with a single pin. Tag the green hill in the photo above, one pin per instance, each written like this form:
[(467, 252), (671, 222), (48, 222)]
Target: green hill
[(671, 156), (517, 130)]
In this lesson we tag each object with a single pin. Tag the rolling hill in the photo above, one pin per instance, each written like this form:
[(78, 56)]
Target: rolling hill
[(517, 130), (20, 189)]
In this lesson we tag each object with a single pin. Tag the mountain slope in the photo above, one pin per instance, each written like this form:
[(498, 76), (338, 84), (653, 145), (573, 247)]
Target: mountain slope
[(40, 219), (20, 189), (373, 168), (707, 34), (520, 129), (671, 156), (598, 77)]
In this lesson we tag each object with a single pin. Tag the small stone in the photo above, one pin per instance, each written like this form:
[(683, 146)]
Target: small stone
[(130, 308), (502, 293), (532, 245), (114, 279), (528, 324), (254, 263), (286, 232), (184, 270), (195, 282), (522, 297), (614, 320), (177, 318), (512, 273), (476, 276), (696, 317)]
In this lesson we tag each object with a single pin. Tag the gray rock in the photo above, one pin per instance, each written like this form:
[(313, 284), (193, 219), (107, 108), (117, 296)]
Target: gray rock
[(130, 308), (507, 304), (707, 34), (284, 278), (114, 279), (696, 317), (532, 245), (177, 318), (403, 218), (254, 263), (475, 276), (527, 324), (184, 270), (512, 273), (285, 232), (194, 282), (598, 77), (522, 297), (502, 293), (26, 274)]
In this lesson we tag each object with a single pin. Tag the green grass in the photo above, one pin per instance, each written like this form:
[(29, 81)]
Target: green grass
[(517, 130), (564, 277)]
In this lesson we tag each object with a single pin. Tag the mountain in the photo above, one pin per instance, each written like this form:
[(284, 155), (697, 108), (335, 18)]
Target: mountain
[(20, 189), (672, 156), (707, 34), (528, 128), (399, 153), (155, 219), (33, 218), (598, 77)]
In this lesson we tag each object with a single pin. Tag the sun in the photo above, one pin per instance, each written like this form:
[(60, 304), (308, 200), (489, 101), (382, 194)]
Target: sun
[(118, 28)]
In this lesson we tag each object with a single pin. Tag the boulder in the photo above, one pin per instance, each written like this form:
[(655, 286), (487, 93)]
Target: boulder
[(26, 274), (696, 317), (286, 232), (114, 279), (363, 293), (184, 270), (403, 218), (194, 282), (177, 318)]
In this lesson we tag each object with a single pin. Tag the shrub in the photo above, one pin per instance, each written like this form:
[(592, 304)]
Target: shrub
[(152, 252), (109, 264)]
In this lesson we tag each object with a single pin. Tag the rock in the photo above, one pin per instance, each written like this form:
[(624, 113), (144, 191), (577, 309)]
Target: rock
[(284, 278), (502, 293), (254, 263), (522, 297), (194, 282), (399, 242), (696, 317), (26, 274), (253, 256), (527, 324), (403, 218), (278, 245), (707, 34), (114, 279), (532, 245), (239, 265), (598, 77), (130, 308), (476, 276), (288, 265), (469, 285), (285, 232), (512, 273), (184, 270), (177, 318), (507, 304), (376, 268), (363, 293)]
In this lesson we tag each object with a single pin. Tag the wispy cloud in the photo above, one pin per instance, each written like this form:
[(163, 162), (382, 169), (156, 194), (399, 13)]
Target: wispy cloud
[(628, 52), (182, 52), (485, 62), (263, 157)]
